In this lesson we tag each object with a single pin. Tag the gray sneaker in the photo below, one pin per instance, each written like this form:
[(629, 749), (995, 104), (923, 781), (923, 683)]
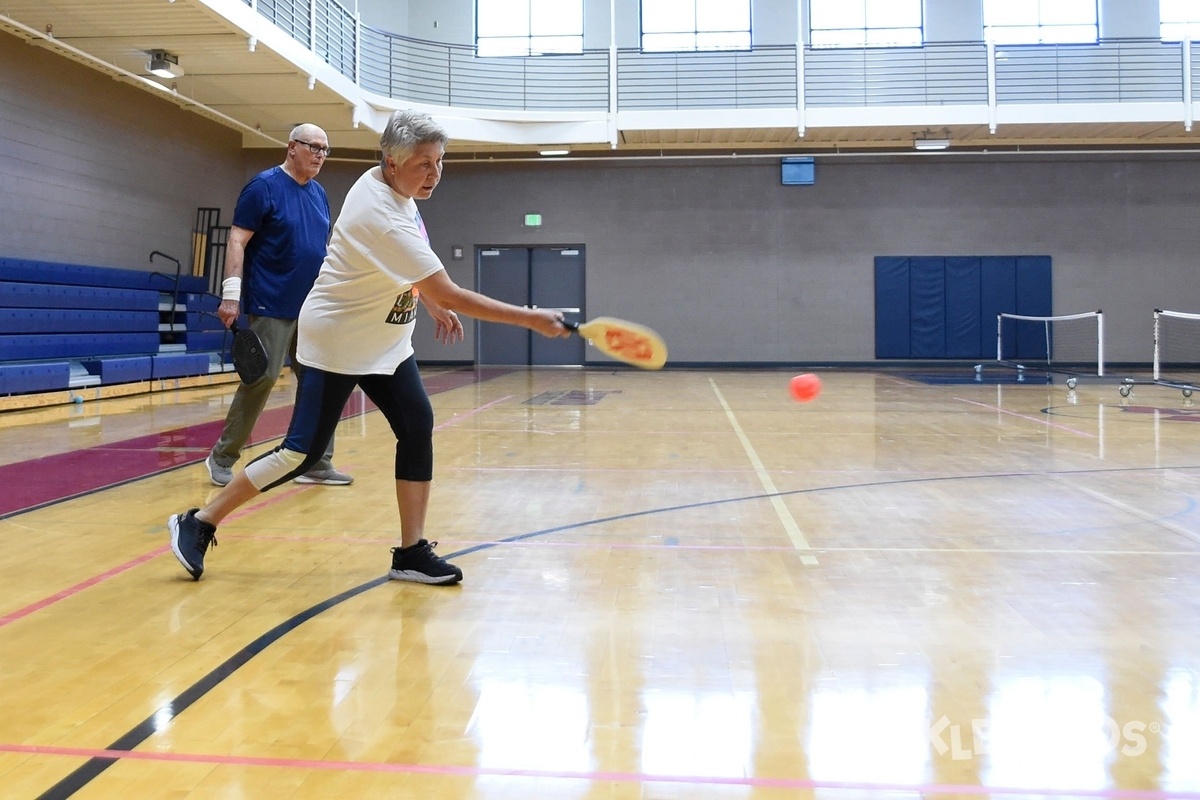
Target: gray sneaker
[(325, 477), (220, 476)]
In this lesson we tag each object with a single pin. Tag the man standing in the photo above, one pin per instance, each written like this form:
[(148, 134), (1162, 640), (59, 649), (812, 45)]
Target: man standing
[(281, 226)]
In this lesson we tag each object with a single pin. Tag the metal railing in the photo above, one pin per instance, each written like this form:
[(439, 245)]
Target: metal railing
[(936, 74)]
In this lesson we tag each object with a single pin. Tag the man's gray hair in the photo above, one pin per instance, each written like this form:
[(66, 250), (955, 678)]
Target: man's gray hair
[(306, 130), (405, 130)]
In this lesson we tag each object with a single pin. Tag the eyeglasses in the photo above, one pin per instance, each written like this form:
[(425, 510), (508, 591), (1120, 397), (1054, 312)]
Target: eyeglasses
[(317, 150)]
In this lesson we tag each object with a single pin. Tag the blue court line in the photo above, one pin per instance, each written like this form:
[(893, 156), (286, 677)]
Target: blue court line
[(93, 768)]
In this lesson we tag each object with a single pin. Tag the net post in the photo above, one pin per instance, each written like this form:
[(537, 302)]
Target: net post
[(1157, 344), (999, 333), (1049, 344), (1100, 343)]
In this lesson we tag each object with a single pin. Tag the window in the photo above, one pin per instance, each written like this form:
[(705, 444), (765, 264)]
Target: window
[(675, 25), (1040, 21), (865, 23), (1178, 20), (528, 27)]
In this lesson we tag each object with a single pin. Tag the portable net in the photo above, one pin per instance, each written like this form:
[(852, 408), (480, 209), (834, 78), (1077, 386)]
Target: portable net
[(1072, 344), (1176, 348)]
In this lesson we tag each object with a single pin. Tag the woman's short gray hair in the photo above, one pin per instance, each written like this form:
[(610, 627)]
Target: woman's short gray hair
[(405, 130)]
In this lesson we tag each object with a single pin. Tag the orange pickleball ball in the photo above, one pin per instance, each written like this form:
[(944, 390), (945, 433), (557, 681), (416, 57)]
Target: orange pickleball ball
[(805, 387)]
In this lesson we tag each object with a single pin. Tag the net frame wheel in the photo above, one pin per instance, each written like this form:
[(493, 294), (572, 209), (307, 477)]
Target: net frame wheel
[(1125, 390), (1071, 383), (1186, 392)]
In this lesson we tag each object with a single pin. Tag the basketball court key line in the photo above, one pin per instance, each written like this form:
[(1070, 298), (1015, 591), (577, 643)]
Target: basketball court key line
[(781, 510)]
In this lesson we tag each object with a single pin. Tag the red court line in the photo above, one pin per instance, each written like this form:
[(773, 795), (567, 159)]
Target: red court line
[(40, 481), (276, 497), (187, 433), (621, 777), (79, 587), (1038, 420)]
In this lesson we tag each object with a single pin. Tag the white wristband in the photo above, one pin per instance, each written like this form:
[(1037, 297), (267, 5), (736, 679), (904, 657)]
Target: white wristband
[(231, 289)]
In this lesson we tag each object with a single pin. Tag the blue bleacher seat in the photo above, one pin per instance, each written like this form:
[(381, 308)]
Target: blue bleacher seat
[(44, 377), (121, 369), (75, 320), (55, 346), (72, 325), (30, 271), (48, 295), (179, 365)]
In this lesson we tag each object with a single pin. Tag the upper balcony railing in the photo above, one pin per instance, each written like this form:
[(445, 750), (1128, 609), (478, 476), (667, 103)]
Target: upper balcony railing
[(779, 76)]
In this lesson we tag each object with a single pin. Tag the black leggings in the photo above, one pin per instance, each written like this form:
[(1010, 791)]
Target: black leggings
[(321, 396)]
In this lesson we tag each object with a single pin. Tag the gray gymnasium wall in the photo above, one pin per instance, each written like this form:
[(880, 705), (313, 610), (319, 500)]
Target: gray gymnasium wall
[(94, 171), (733, 267)]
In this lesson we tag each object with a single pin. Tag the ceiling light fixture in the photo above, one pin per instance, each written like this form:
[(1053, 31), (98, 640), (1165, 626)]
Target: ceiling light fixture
[(926, 141), (559, 152), (164, 64)]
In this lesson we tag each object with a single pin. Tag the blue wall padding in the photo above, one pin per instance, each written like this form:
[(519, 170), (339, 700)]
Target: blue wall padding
[(891, 307), (927, 302), (998, 281), (964, 338), (946, 306), (1033, 299)]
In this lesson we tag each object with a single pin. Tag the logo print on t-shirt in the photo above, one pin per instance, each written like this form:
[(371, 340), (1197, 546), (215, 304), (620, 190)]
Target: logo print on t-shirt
[(404, 311)]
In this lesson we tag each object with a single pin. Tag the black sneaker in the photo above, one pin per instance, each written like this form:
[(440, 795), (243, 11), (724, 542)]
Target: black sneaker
[(419, 563), (189, 540)]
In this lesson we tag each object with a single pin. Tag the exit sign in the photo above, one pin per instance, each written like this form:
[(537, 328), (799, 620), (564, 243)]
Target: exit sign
[(533, 220)]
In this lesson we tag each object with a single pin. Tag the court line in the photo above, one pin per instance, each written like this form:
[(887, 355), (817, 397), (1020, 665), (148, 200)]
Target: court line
[(277, 497), (602, 544), (79, 587), (1045, 422), (781, 510), (80, 473), (83, 775), (923, 789), (521, 538), (269, 500), (1128, 509)]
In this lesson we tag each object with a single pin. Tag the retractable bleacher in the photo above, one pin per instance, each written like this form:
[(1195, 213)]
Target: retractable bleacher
[(67, 326)]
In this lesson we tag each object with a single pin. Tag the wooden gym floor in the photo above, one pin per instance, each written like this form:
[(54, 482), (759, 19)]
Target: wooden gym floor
[(678, 585)]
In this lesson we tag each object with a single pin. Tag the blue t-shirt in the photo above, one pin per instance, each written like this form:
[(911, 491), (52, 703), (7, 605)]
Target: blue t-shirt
[(291, 227)]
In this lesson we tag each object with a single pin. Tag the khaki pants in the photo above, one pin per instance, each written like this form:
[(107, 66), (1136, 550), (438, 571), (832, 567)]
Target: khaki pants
[(279, 340)]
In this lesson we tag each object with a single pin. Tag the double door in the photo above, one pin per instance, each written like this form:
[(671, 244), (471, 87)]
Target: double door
[(537, 277)]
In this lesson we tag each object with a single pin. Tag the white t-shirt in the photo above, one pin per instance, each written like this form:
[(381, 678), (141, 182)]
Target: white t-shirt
[(359, 317)]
